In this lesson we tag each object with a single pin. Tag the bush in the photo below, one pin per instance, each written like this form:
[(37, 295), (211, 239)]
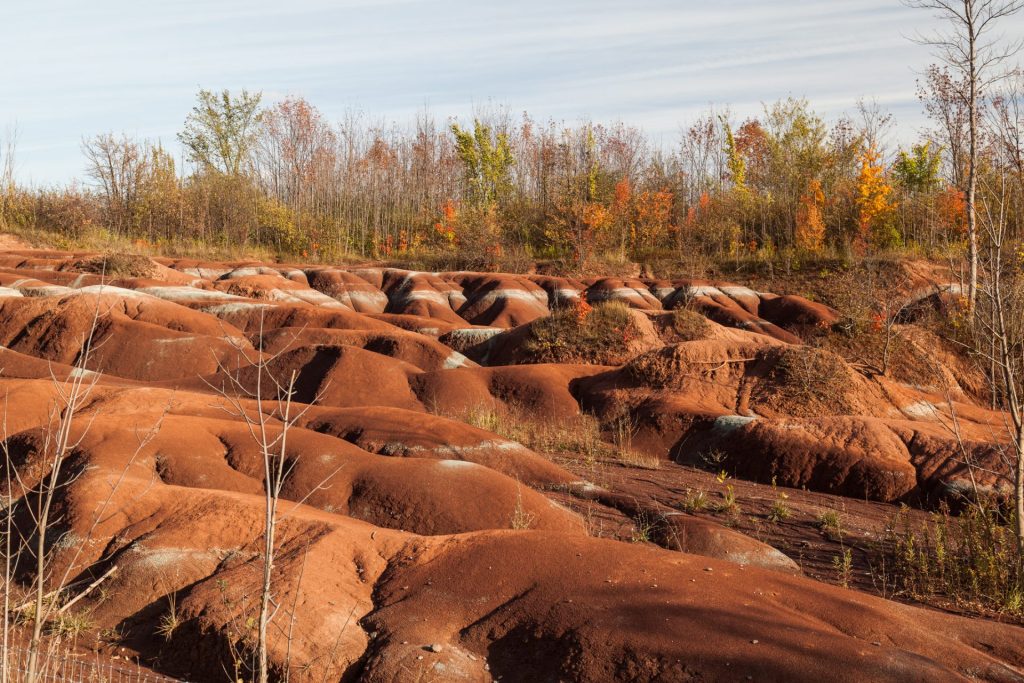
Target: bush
[(599, 334), (806, 377), (118, 264), (688, 325)]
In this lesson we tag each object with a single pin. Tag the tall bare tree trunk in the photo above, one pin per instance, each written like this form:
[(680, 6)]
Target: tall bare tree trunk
[(972, 160)]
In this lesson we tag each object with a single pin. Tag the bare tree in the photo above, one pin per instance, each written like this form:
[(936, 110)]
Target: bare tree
[(1001, 322), (267, 408), (117, 165), (969, 47)]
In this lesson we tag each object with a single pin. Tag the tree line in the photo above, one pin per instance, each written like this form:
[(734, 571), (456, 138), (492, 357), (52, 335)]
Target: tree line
[(783, 183)]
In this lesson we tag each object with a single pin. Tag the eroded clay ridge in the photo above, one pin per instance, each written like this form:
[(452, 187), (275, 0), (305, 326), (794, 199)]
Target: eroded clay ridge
[(415, 546)]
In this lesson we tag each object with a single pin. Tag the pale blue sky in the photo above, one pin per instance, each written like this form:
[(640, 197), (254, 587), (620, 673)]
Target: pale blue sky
[(70, 68)]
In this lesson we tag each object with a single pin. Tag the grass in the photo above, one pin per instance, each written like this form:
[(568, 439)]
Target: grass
[(170, 620), (71, 624), (599, 334), (729, 504), (580, 435), (968, 560), (521, 518)]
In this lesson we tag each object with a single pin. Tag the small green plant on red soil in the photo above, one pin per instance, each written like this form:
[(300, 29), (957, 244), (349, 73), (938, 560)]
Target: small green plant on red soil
[(843, 564), (831, 524), (695, 501), (582, 333), (780, 510), (171, 619), (968, 560), (71, 624), (643, 528), (729, 504)]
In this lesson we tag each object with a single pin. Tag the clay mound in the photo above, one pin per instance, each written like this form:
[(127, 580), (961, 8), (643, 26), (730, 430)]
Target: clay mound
[(252, 316), (349, 289), (430, 327), (634, 293), (422, 294), (29, 285), (538, 391), (610, 334), (273, 287), (590, 610), (204, 270), (698, 536), (562, 291), (22, 366), (470, 341), (855, 457), (136, 337), (796, 313), (423, 496), (500, 300), (730, 305), (415, 349), (403, 433), (340, 376), (761, 378)]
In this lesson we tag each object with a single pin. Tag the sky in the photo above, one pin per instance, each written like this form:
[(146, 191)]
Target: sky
[(71, 69)]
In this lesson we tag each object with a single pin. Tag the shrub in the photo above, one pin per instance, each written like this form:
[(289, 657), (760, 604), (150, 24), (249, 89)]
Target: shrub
[(806, 377), (118, 264), (601, 334), (688, 325)]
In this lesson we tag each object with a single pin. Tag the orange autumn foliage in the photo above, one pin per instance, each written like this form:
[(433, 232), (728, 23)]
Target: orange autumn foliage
[(810, 225)]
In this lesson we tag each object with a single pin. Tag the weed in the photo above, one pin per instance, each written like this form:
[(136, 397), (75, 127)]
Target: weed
[(171, 619), (71, 624), (521, 518), (805, 377), (831, 524), (643, 528), (970, 560), (695, 501), (779, 510), (843, 564), (728, 505)]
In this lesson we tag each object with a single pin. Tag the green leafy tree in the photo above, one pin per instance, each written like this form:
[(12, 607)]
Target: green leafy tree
[(487, 162), (918, 169), (220, 131)]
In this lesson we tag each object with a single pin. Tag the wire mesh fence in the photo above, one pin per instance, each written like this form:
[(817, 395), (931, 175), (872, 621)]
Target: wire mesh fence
[(75, 666)]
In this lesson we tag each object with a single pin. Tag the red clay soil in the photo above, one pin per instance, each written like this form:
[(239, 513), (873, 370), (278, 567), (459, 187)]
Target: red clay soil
[(413, 545)]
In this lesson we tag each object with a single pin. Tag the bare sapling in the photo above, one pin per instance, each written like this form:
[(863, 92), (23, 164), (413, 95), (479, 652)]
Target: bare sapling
[(268, 409)]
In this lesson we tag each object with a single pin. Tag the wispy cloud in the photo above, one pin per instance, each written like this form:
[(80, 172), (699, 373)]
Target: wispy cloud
[(74, 68)]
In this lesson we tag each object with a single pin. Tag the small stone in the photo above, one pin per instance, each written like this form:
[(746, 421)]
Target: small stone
[(420, 657), (709, 569), (877, 644), (753, 642), (436, 647)]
